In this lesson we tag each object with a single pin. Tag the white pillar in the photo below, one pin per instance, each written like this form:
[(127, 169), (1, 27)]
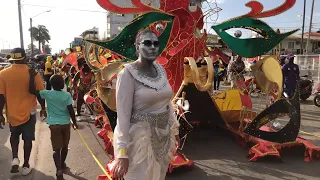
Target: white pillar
[(313, 63), (319, 69)]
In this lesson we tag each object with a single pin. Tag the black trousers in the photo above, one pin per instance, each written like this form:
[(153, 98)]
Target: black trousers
[(47, 79), (216, 82)]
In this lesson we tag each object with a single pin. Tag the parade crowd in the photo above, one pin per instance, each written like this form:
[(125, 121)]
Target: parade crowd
[(27, 81)]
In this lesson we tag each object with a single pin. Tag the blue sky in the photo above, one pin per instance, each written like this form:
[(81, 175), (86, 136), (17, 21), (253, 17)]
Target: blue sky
[(65, 21)]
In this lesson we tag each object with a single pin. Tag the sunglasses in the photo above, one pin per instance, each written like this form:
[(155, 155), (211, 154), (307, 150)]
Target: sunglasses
[(149, 43)]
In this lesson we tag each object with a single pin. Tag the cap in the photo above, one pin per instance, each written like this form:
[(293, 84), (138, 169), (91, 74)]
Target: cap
[(17, 54), (49, 58)]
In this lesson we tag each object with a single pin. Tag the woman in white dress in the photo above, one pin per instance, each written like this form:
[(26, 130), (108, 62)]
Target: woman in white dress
[(146, 135)]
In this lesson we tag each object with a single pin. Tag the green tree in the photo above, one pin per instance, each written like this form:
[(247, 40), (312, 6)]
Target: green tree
[(35, 50), (47, 49), (40, 34)]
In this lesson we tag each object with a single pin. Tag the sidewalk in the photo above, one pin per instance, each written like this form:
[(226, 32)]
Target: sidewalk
[(6, 155), (82, 165)]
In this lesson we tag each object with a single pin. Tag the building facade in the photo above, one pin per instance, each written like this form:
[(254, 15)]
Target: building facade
[(116, 22), (91, 34), (293, 43)]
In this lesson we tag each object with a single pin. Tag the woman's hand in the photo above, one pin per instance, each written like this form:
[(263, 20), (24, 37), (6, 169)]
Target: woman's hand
[(120, 168)]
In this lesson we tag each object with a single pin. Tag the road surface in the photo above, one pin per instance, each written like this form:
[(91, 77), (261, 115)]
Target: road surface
[(216, 155)]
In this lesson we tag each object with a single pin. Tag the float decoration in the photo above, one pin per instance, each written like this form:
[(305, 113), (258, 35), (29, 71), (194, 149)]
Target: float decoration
[(268, 76), (124, 43), (178, 29), (257, 9), (250, 47), (290, 132)]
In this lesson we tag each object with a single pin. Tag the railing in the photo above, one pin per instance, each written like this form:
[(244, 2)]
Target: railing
[(309, 65)]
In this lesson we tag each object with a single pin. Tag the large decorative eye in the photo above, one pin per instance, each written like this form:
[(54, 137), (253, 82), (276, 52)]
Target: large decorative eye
[(250, 47), (123, 43), (289, 132)]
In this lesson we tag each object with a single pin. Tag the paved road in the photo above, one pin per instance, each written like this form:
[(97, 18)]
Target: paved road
[(216, 155)]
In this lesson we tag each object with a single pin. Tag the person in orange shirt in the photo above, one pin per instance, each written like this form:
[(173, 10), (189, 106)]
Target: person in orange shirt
[(21, 106)]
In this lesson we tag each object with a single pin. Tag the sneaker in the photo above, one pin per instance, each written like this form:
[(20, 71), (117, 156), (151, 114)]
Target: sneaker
[(15, 165), (26, 171)]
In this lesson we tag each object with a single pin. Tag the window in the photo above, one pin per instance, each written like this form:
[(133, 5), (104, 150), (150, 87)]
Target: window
[(290, 45)]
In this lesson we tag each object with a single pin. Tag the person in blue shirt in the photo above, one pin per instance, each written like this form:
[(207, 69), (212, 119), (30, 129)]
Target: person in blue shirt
[(291, 75), (59, 112), (217, 74)]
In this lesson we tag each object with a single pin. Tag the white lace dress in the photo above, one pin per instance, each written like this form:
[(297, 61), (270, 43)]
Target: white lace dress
[(146, 125)]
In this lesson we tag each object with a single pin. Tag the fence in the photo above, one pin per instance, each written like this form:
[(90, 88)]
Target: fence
[(309, 65)]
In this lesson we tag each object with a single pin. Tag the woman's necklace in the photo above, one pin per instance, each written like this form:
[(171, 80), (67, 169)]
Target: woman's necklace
[(150, 73)]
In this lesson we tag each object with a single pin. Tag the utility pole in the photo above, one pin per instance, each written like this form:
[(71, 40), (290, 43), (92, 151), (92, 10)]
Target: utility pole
[(31, 37), (303, 22), (310, 26), (20, 25)]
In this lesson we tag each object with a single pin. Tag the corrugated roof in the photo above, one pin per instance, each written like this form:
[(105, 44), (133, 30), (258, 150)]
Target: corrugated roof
[(314, 36)]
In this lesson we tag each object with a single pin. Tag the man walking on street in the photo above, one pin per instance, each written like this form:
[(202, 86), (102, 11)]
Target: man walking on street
[(20, 107), (291, 75)]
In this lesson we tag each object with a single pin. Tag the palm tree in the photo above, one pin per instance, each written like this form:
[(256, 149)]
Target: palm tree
[(40, 34)]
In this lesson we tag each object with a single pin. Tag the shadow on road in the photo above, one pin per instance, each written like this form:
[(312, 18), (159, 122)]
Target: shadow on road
[(74, 175), (5, 153), (6, 157), (217, 156)]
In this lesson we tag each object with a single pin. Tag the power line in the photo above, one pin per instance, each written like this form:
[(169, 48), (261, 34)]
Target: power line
[(23, 11), (53, 7)]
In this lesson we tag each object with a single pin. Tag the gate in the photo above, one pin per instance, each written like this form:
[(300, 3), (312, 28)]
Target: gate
[(309, 65)]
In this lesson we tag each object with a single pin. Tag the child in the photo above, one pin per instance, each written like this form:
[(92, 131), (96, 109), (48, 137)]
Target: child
[(59, 112)]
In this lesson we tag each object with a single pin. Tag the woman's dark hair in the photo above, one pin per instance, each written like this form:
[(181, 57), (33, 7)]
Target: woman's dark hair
[(57, 82), (140, 34), (282, 60), (81, 62), (86, 68)]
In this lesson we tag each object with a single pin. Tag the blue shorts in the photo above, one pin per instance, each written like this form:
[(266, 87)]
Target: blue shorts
[(27, 129)]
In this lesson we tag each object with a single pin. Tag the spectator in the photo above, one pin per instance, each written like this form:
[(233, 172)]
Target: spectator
[(291, 75), (218, 74), (20, 107), (48, 72), (60, 110)]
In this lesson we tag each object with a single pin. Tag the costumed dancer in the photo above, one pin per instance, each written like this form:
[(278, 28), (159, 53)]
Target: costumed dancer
[(236, 70), (83, 81), (48, 72), (147, 130)]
